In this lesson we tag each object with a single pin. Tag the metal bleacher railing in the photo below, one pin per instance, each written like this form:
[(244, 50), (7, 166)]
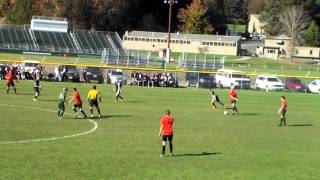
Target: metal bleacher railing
[(76, 41), (143, 59)]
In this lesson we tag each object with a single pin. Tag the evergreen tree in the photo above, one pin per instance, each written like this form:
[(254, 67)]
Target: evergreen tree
[(22, 12), (311, 35)]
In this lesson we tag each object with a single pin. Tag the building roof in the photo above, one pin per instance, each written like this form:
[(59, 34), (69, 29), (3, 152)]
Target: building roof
[(181, 36), (282, 37)]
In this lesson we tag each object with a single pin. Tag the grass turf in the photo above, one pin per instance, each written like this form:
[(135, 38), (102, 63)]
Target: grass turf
[(207, 144)]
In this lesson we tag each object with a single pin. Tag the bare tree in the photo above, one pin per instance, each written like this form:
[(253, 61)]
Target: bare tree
[(295, 22)]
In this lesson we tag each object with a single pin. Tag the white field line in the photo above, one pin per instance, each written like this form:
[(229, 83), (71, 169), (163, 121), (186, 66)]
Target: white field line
[(95, 127)]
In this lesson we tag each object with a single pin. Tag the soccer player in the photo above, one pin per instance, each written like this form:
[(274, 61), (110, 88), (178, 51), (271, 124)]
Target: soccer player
[(78, 103), (214, 99), (9, 78), (233, 99), (61, 102), (118, 90), (93, 96), (36, 88), (166, 131), (282, 111)]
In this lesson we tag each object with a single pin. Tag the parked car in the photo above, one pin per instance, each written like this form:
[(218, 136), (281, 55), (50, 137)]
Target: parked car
[(115, 75), (73, 74), (94, 74), (202, 80), (269, 83), (232, 78), (294, 84), (314, 86)]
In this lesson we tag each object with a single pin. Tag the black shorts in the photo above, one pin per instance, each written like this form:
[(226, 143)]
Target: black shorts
[(77, 106), (10, 84), (283, 113), (93, 102), (167, 138)]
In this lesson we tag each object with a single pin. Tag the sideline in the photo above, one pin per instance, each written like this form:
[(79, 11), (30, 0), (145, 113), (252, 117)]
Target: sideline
[(95, 127)]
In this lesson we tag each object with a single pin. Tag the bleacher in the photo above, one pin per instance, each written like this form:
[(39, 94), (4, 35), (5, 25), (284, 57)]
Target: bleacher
[(15, 37), (39, 39)]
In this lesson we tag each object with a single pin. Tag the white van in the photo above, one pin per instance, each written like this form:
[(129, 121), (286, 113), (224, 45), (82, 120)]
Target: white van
[(228, 78)]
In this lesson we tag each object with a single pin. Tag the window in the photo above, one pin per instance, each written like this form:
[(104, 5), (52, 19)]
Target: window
[(234, 44), (136, 39), (188, 42), (158, 40), (147, 39), (222, 44), (219, 43), (311, 52), (215, 43), (125, 38), (271, 51)]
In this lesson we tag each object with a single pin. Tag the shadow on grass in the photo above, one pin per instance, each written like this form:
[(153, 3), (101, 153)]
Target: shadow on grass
[(300, 125), (133, 101), (249, 114), (23, 94), (198, 154), (49, 100), (110, 116)]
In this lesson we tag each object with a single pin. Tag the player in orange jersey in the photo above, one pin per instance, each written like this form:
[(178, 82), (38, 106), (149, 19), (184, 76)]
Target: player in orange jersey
[(234, 99), (282, 111), (77, 103), (9, 78), (166, 131)]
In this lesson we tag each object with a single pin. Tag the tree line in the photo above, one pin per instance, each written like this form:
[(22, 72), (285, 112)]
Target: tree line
[(192, 16)]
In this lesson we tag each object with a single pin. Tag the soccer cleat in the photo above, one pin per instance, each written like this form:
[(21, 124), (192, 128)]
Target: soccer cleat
[(161, 155), (91, 116), (34, 99), (99, 115), (171, 154)]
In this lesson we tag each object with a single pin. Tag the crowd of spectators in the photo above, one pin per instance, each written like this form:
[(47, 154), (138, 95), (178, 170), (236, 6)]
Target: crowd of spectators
[(155, 80), (21, 72)]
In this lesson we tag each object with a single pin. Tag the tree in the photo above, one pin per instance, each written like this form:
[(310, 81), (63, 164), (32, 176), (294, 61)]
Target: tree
[(194, 18), (311, 35), (256, 6), (21, 14), (294, 21)]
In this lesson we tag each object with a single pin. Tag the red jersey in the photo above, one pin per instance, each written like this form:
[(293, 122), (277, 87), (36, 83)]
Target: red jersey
[(233, 96), (76, 98), (284, 104), (9, 77), (167, 125)]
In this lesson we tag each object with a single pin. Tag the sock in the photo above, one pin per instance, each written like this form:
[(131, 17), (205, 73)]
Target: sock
[(74, 110), (163, 149), (61, 113), (84, 114), (7, 90), (91, 111), (171, 148), (15, 91), (98, 109)]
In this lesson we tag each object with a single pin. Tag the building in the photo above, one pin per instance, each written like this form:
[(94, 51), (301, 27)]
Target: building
[(192, 43), (255, 26), (278, 47)]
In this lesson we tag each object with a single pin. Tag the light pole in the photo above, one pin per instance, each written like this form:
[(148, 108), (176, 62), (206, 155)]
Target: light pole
[(170, 2)]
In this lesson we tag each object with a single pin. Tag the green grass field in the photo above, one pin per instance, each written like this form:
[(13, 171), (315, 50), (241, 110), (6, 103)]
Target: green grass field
[(126, 145)]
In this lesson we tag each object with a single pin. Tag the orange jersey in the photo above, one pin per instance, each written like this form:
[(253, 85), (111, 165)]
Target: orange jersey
[(284, 104), (9, 77), (233, 96), (76, 98), (167, 125)]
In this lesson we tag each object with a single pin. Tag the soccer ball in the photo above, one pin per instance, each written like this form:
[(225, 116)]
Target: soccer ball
[(225, 112)]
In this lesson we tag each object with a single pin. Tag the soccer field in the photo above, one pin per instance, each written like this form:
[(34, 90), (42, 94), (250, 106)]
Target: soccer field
[(124, 143)]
